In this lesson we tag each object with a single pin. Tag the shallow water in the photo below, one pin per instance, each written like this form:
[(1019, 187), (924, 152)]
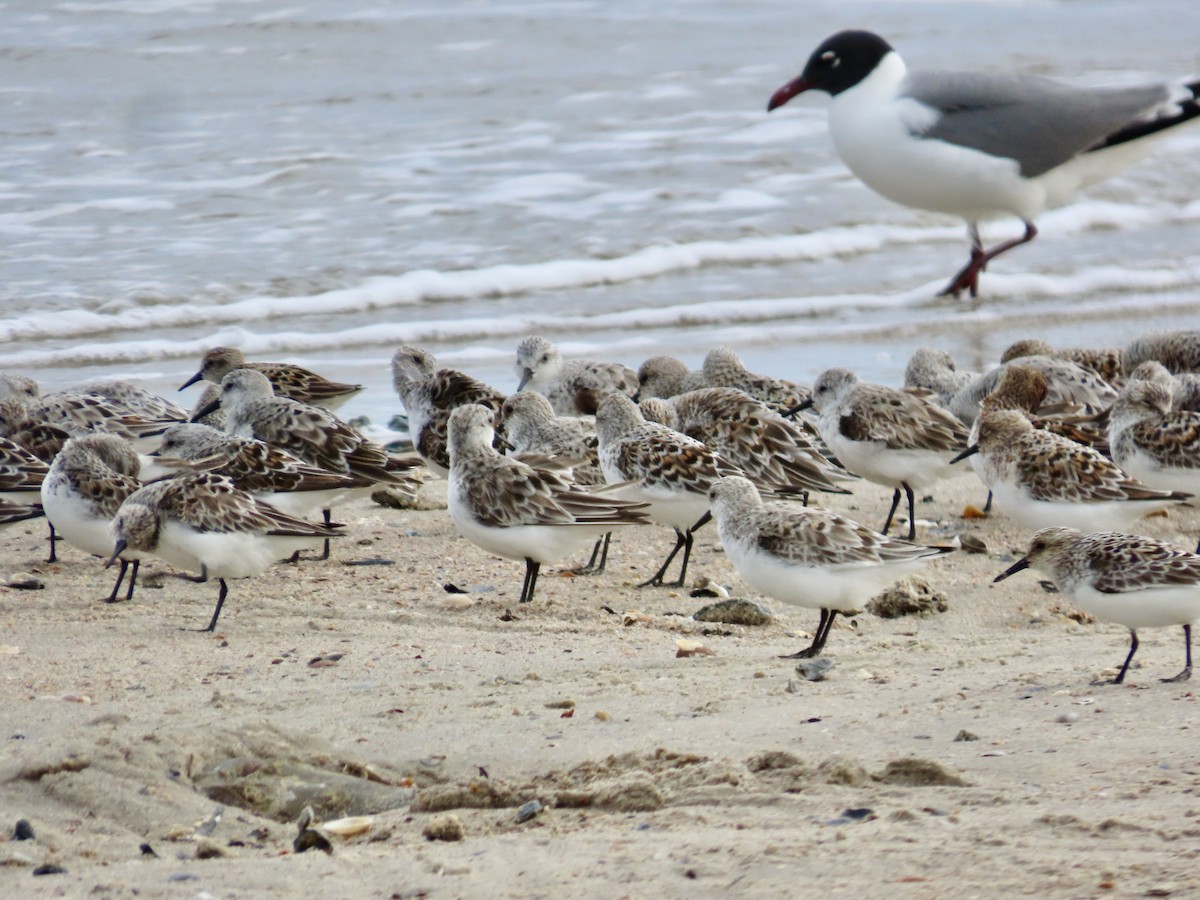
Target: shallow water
[(318, 184)]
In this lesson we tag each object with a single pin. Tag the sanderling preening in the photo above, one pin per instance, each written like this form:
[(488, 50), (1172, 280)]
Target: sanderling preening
[(429, 394), (1151, 441), (86, 484)]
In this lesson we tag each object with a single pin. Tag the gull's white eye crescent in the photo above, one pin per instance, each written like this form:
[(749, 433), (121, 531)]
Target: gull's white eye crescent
[(831, 58)]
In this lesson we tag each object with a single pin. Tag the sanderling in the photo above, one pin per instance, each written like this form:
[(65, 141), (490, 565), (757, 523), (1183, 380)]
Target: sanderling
[(201, 522), (1042, 479), (21, 473), (1069, 382), (269, 473), (311, 433), (773, 452), (531, 429), (657, 465), (541, 367), (807, 556), (519, 512), (78, 413), (666, 376), (11, 513), (133, 398), (1178, 350), (1028, 389), (38, 440), (18, 388), (1184, 387), (888, 436), (1151, 441), (1132, 580), (294, 382), (85, 486), (208, 400), (724, 368), (429, 394), (1107, 362), (936, 371)]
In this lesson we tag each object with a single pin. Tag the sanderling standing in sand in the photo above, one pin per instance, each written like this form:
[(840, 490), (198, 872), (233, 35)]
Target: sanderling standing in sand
[(86, 484), (276, 476), (1042, 479), (807, 556), (1132, 580), (311, 433), (516, 511), (888, 436), (201, 522), (774, 452), (659, 466)]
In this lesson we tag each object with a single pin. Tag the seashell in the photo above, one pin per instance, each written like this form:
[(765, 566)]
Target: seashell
[(687, 647), (349, 826)]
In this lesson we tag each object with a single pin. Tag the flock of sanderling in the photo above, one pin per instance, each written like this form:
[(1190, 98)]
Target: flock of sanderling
[(1065, 441)]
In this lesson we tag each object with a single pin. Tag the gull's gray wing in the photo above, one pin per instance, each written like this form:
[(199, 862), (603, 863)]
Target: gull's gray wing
[(1037, 122)]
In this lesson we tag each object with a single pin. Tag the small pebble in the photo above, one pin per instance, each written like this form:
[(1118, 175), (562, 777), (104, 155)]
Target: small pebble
[(972, 544), (444, 828), (814, 669), (965, 735), (528, 810), (1068, 717), (734, 612), (49, 869), (23, 831), (207, 849)]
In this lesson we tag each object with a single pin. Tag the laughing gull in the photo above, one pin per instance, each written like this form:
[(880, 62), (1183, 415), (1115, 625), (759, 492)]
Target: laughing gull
[(974, 145)]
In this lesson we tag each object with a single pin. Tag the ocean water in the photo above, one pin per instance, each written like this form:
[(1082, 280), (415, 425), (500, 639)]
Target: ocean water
[(319, 182)]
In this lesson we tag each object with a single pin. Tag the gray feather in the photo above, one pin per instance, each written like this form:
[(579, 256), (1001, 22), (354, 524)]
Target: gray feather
[(1036, 122)]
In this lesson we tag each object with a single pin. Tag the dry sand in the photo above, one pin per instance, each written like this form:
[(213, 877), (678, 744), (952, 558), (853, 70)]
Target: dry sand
[(701, 776)]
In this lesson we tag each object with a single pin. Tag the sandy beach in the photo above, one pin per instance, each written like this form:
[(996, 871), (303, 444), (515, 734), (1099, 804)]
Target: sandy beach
[(963, 753)]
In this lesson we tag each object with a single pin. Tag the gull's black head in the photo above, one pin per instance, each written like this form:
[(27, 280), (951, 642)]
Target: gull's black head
[(841, 62)]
